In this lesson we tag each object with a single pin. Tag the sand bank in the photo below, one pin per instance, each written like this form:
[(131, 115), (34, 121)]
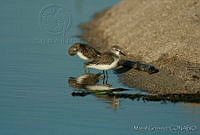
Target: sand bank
[(163, 33)]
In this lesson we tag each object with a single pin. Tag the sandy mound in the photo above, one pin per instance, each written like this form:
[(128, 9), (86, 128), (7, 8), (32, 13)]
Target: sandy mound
[(165, 33)]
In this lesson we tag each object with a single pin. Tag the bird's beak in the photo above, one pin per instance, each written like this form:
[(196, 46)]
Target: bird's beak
[(122, 53)]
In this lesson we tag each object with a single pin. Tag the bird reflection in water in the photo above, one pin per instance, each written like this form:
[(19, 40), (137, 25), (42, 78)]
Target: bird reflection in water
[(83, 80), (88, 84)]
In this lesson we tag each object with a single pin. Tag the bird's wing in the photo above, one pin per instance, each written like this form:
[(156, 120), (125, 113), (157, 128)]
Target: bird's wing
[(103, 59), (90, 52)]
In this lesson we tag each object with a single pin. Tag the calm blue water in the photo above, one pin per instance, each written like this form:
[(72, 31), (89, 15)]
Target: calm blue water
[(35, 96)]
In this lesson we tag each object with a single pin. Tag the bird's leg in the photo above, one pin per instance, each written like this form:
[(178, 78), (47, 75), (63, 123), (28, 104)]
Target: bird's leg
[(103, 76), (106, 77), (88, 70), (85, 70)]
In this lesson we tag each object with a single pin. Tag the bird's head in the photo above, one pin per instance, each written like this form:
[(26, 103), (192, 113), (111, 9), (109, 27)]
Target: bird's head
[(74, 49), (117, 50)]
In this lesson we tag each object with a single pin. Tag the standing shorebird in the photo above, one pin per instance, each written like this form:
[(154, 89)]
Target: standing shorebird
[(84, 51), (106, 61)]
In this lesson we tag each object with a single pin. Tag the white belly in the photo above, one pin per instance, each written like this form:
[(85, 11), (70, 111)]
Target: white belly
[(82, 56), (105, 67)]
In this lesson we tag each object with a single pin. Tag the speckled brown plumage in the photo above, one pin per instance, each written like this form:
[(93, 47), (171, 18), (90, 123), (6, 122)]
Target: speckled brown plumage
[(87, 51), (106, 58)]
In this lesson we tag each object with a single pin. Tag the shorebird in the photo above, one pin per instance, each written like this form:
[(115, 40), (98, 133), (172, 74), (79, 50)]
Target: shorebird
[(106, 61), (84, 51)]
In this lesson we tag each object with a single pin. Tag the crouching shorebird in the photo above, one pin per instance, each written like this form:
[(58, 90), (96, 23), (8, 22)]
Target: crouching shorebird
[(106, 61), (84, 51)]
